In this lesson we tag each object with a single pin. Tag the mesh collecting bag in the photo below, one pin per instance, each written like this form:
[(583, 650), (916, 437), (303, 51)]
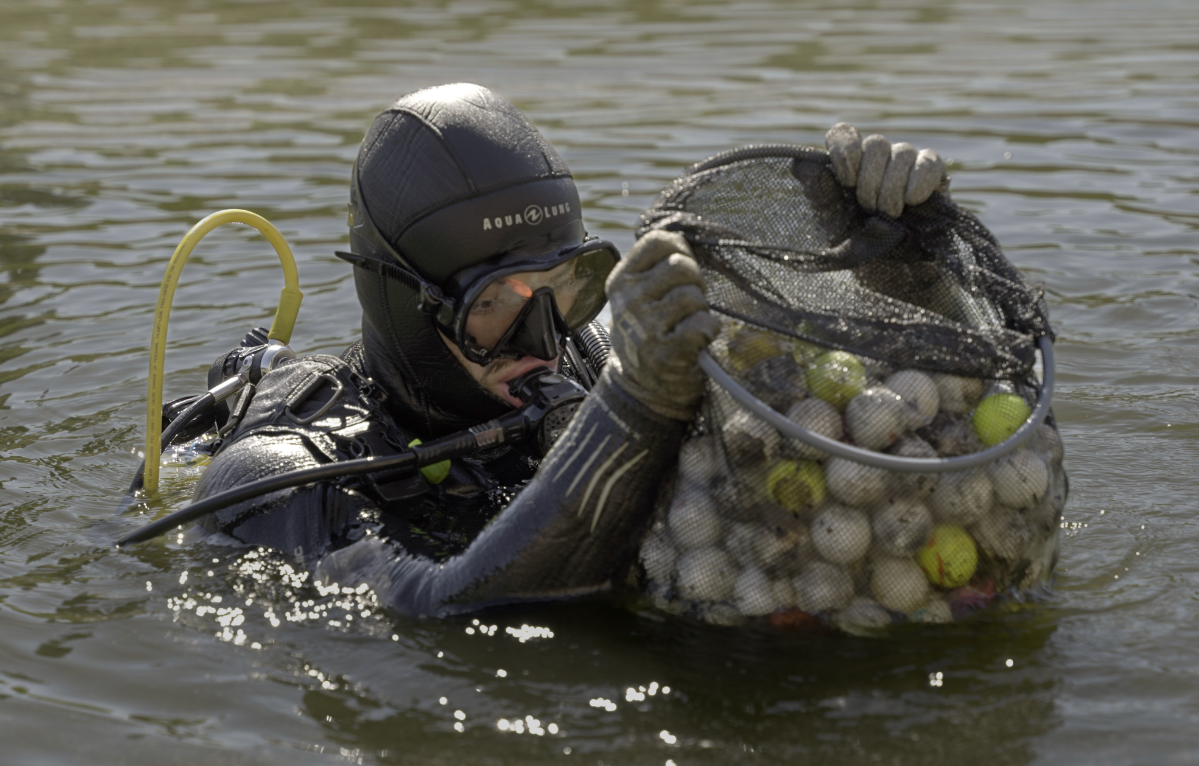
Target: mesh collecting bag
[(912, 337)]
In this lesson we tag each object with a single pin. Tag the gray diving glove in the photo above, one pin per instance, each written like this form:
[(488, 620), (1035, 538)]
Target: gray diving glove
[(660, 323), (887, 176)]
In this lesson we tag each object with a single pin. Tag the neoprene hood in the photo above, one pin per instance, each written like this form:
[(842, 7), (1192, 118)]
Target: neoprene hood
[(450, 177)]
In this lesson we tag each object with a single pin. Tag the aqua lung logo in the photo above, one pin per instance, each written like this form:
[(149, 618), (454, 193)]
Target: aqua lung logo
[(533, 215)]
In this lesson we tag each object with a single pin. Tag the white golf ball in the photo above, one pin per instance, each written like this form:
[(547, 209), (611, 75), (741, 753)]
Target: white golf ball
[(1003, 533), (771, 545), (841, 535), (822, 587), (915, 483), (855, 484), (919, 392), (1048, 444), (658, 556), (784, 593), (1020, 479), (862, 617), (698, 461), (706, 574), (900, 584), (753, 593), (958, 395), (749, 440), (740, 541), (962, 497), (819, 417), (876, 417), (694, 519), (901, 526), (936, 610)]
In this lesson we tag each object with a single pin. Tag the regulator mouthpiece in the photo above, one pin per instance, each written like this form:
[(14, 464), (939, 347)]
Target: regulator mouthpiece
[(551, 400)]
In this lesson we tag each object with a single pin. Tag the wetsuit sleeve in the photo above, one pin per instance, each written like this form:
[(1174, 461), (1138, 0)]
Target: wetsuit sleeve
[(575, 527)]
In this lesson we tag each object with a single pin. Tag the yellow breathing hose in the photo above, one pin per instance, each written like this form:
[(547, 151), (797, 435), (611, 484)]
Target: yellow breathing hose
[(281, 327)]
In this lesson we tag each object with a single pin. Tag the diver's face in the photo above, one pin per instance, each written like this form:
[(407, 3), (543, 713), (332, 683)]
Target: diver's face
[(494, 311), (495, 376)]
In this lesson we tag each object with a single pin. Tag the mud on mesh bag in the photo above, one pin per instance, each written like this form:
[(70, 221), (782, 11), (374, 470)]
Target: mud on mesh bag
[(914, 337)]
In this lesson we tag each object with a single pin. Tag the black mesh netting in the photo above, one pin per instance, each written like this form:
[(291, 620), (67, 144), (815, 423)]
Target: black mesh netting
[(913, 336)]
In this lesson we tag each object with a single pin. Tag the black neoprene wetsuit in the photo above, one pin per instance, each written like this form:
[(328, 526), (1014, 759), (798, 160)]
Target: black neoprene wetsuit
[(501, 527)]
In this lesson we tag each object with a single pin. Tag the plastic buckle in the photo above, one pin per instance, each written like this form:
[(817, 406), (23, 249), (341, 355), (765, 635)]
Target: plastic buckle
[(431, 299), (307, 393)]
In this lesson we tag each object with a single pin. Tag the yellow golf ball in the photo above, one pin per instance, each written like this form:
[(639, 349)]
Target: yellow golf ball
[(836, 377), (747, 347), (998, 416), (796, 484), (949, 558)]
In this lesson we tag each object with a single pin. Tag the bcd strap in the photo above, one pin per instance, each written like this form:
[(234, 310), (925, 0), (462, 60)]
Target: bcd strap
[(386, 486)]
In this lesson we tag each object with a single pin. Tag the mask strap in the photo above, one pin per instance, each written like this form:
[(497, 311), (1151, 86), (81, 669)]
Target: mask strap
[(433, 301)]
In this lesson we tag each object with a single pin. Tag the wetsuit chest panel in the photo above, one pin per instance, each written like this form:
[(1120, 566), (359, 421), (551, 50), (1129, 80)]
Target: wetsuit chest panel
[(451, 514)]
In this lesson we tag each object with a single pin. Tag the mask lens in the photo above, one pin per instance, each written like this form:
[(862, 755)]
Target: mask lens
[(577, 284)]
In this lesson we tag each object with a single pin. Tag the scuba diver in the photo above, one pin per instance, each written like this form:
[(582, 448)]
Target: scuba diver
[(475, 272)]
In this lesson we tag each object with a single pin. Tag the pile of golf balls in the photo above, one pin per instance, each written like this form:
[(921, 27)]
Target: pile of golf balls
[(761, 525)]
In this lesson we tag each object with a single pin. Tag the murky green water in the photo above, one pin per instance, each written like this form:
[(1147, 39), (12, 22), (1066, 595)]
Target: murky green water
[(1072, 127)]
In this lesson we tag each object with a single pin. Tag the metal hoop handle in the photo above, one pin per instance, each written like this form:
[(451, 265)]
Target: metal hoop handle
[(879, 459)]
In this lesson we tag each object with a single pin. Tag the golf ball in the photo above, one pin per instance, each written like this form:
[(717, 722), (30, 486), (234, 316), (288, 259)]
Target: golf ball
[(962, 497), (784, 593), (772, 544), (855, 484), (998, 417), (862, 617), (753, 593), (822, 587), (936, 610), (841, 535), (1003, 533), (739, 542), (819, 417), (747, 347), (920, 484), (1045, 518), (919, 392), (949, 558), (876, 417), (796, 484), (901, 526), (899, 584), (1048, 444), (694, 519), (698, 461), (1020, 479), (958, 395), (836, 377), (706, 574), (658, 556)]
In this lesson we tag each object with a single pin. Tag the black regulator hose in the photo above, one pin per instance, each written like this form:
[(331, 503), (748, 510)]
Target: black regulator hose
[(545, 392), (270, 484)]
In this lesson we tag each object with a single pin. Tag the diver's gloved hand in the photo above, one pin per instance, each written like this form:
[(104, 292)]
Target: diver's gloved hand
[(887, 176), (660, 323)]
